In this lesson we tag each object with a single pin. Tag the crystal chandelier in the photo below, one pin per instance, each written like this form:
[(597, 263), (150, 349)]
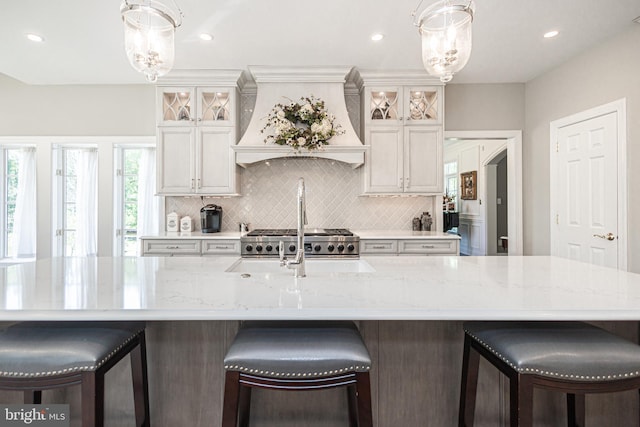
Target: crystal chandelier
[(445, 28), (149, 28)]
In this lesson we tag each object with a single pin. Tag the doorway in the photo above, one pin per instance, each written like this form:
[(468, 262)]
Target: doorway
[(481, 150)]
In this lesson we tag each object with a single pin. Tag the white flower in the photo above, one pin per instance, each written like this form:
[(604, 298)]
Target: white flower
[(302, 141), (280, 114)]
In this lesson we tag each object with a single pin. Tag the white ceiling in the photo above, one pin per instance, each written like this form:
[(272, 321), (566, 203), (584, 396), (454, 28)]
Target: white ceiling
[(84, 40)]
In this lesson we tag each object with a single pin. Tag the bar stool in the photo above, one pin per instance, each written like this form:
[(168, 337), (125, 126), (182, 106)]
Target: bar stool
[(307, 355), (571, 357), (36, 356)]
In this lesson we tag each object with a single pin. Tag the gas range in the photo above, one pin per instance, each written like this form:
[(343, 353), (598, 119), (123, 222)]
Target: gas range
[(318, 242)]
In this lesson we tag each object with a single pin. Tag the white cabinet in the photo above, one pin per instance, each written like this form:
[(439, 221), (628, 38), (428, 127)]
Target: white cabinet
[(420, 105), (196, 160), (170, 247), (403, 127), (190, 247), (439, 246), (403, 159), (197, 128)]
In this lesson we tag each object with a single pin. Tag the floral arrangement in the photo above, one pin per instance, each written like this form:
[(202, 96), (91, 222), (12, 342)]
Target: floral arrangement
[(303, 124)]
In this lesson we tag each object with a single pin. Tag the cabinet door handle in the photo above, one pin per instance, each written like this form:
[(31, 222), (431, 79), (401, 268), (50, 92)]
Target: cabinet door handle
[(173, 247), (221, 247), (193, 183), (428, 246), (199, 183), (378, 247)]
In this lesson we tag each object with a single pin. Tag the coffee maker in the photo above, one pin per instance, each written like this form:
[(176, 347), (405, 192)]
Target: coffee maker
[(211, 218)]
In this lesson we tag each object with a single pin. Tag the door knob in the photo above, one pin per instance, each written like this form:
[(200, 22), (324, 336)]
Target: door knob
[(608, 236)]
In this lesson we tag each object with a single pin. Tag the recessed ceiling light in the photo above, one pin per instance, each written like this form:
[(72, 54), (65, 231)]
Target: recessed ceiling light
[(551, 34), (206, 37), (35, 38), (377, 37)]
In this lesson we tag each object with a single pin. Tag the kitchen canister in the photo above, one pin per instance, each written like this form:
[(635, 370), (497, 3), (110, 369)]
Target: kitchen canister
[(186, 224), (173, 222), (426, 221)]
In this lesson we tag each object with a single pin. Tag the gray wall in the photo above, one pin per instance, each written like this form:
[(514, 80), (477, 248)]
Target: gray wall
[(605, 73), (484, 106), (82, 110)]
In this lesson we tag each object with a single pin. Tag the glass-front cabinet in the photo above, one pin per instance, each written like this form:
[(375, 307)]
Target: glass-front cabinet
[(186, 106), (403, 104), (197, 127)]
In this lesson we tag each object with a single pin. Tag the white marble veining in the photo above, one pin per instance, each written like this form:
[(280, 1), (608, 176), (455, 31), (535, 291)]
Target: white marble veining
[(429, 288)]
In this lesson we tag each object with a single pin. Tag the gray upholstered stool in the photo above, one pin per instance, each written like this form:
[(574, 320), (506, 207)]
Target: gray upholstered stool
[(297, 356), (36, 356), (570, 357)]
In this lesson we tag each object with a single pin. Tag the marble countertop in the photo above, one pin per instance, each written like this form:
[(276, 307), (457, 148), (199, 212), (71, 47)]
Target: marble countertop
[(194, 235), (404, 234), (395, 288), (364, 234)]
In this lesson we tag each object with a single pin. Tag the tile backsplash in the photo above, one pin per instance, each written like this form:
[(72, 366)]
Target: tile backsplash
[(333, 199)]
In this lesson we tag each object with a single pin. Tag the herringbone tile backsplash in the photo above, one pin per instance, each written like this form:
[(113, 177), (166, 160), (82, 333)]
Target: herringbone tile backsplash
[(333, 199)]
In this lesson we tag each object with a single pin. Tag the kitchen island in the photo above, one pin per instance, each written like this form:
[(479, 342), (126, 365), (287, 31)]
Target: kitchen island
[(409, 310)]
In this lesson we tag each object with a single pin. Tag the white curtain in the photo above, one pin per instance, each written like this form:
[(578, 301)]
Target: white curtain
[(148, 202), (24, 220), (87, 203)]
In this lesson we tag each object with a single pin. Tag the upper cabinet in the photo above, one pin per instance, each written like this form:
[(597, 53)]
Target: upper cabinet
[(403, 128), (197, 129), (406, 105), (203, 106)]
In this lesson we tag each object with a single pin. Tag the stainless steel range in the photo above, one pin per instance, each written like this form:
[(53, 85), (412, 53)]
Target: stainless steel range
[(318, 242)]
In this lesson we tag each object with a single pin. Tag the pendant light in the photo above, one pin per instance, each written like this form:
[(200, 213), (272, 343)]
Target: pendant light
[(445, 28), (149, 28)]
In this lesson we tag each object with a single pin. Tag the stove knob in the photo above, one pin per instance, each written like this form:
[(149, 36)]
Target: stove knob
[(292, 248), (248, 248), (330, 248), (269, 248), (350, 248), (317, 248), (258, 248), (340, 248)]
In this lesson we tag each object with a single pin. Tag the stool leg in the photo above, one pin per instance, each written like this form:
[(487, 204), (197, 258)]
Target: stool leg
[(231, 399), (363, 395), (575, 410), (352, 401), (470, 367), (521, 401), (33, 396), (244, 407), (140, 382), (92, 390)]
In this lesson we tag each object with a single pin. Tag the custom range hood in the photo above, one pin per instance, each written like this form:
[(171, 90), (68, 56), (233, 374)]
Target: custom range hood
[(276, 85)]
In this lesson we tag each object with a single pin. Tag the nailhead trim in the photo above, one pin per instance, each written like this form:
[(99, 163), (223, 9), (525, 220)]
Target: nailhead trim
[(72, 369), (552, 374), (296, 374)]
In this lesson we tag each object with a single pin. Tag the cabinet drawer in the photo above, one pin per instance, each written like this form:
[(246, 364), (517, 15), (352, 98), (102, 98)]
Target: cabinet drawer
[(428, 247), (171, 247), (378, 247), (221, 247)]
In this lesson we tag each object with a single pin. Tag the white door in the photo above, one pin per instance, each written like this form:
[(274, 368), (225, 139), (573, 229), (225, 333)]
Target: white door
[(586, 188)]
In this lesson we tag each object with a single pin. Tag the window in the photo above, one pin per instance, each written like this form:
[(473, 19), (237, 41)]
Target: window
[(136, 206), (76, 200), (451, 183), (18, 200)]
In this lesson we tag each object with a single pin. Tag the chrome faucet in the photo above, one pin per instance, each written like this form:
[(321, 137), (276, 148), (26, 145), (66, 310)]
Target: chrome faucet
[(297, 263)]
